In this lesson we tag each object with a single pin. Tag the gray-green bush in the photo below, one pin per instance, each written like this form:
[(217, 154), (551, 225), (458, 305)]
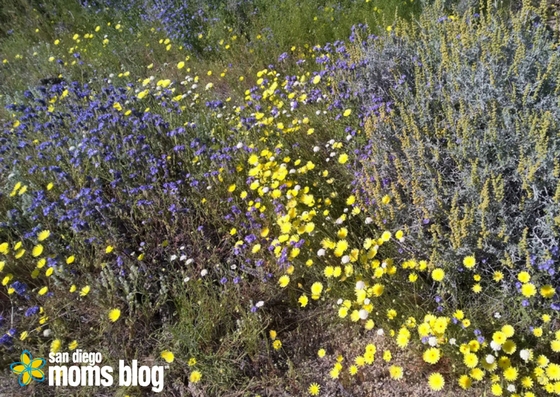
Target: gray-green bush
[(470, 151)]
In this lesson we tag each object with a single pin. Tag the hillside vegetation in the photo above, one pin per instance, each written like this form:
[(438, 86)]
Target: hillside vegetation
[(283, 198)]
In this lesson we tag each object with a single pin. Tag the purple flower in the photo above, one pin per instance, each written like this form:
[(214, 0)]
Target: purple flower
[(250, 238), (6, 340), (19, 287), (31, 311)]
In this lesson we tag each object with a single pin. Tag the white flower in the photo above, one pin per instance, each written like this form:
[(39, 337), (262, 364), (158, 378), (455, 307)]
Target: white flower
[(432, 341), (495, 346), (511, 388), (316, 149), (259, 304), (367, 301), (363, 314), (345, 259), (47, 333), (525, 354), (452, 341), (321, 252), (173, 257), (497, 315), (189, 261), (360, 285), (203, 272), (368, 220), (490, 359), (239, 145), (380, 332), (339, 301), (182, 257)]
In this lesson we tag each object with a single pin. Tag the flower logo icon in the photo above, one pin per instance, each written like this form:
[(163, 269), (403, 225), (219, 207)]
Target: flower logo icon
[(28, 368)]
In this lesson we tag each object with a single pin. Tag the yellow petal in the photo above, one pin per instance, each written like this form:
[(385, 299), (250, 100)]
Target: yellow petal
[(114, 315), (25, 378), (168, 356), (18, 369)]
